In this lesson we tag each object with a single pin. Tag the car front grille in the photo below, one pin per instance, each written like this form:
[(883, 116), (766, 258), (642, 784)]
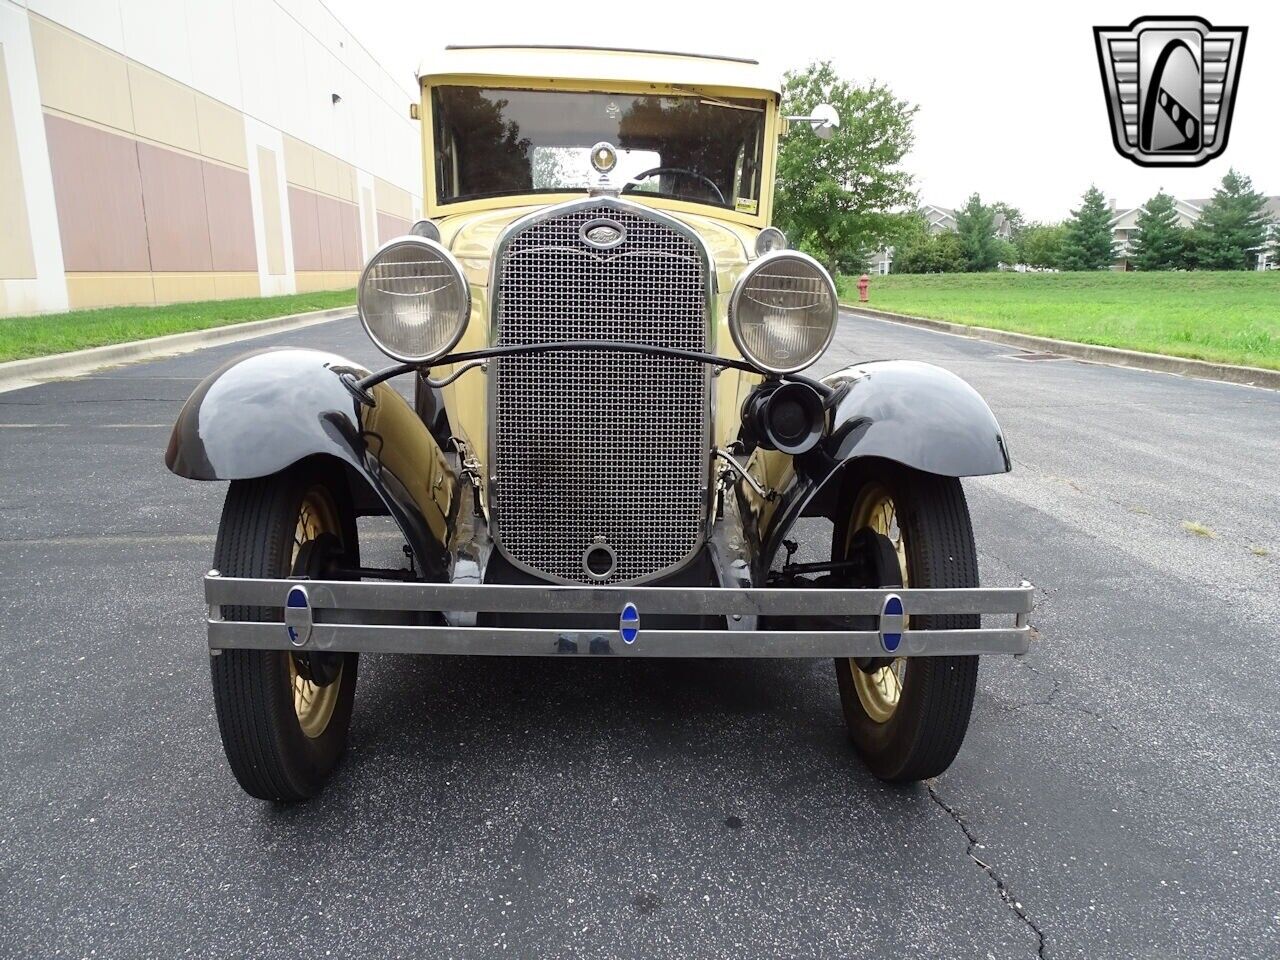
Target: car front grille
[(600, 447)]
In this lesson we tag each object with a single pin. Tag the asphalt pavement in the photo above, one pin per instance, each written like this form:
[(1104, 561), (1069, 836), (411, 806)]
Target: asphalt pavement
[(1116, 795)]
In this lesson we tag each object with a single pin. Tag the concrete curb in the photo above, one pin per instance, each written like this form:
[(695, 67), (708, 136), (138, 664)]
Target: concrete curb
[(15, 374), (1202, 369)]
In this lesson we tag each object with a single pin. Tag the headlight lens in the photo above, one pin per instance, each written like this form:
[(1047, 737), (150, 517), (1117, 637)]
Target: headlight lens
[(782, 313), (770, 239), (413, 300)]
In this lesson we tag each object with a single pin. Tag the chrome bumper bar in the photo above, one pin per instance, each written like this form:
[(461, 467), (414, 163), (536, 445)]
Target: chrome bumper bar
[(360, 616)]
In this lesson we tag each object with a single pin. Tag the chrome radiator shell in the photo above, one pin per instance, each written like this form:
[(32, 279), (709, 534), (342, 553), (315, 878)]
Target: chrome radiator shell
[(598, 447)]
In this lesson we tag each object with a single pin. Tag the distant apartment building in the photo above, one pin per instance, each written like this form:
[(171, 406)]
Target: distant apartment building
[(1124, 228), (161, 150), (937, 220)]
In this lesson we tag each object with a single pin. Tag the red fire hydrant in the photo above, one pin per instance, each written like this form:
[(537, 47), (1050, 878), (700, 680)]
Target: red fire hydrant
[(863, 283)]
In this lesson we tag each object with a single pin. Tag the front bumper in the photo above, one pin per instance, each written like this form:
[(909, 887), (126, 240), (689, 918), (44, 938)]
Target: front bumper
[(381, 617)]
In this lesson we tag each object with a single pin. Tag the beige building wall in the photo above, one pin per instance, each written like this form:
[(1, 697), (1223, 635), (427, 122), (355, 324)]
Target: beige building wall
[(395, 213), (328, 251), (17, 260), (231, 172)]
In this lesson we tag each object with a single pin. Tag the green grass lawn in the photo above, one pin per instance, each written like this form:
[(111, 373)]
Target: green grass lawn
[(48, 333), (1225, 317)]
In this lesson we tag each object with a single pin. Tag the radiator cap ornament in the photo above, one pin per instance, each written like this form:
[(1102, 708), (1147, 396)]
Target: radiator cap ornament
[(604, 157)]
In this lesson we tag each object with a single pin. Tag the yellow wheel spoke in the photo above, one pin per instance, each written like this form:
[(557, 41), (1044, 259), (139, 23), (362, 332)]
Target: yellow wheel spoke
[(313, 704), (880, 691)]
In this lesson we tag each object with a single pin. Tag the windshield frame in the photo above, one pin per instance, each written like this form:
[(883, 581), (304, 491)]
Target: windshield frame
[(435, 209)]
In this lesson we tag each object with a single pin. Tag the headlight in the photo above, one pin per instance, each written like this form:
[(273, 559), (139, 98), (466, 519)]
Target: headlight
[(770, 239), (413, 300), (425, 229), (782, 313)]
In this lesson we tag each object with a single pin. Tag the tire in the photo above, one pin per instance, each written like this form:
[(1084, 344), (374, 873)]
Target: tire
[(270, 752), (921, 735)]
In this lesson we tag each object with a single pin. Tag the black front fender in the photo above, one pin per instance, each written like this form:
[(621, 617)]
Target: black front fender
[(915, 414), (903, 411), (265, 411)]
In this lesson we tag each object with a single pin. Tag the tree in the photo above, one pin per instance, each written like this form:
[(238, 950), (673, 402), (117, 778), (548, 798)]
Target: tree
[(1040, 244), (852, 261), (976, 227), (1232, 227), (1161, 242), (1087, 243), (936, 253), (909, 243), (912, 228), (840, 195), (913, 256), (948, 253)]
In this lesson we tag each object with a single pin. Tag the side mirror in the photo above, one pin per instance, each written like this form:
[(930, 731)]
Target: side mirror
[(824, 120)]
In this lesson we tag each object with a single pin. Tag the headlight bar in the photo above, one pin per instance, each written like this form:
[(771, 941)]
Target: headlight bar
[(616, 346)]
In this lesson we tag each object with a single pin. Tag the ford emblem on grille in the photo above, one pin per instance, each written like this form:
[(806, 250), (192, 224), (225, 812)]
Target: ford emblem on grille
[(603, 234)]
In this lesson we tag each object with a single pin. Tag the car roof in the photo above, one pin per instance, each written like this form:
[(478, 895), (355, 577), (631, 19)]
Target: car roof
[(600, 63)]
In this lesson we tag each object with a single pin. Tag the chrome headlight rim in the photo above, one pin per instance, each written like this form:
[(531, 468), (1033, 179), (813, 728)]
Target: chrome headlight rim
[(449, 260), (740, 287), (766, 244)]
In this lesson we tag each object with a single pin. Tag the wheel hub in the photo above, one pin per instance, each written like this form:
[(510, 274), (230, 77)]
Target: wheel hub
[(878, 681), (313, 560), (882, 568)]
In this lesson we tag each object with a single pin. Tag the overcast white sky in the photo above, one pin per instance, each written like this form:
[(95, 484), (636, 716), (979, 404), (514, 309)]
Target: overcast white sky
[(1010, 98)]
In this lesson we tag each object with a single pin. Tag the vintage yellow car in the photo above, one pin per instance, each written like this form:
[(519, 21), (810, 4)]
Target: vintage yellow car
[(613, 439)]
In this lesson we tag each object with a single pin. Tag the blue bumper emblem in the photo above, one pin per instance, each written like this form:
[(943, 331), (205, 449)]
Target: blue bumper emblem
[(629, 623), (297, 615), (892, 621)]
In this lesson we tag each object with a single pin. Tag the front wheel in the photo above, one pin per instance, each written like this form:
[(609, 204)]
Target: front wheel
[(908, 716), (284, 716)]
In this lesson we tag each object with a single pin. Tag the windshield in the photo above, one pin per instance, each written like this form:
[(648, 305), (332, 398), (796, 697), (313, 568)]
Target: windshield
[(493, 142)]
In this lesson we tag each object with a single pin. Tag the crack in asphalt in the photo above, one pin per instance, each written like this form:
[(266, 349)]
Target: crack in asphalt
[(1002, 888), (1058, 685), (1052, 699)]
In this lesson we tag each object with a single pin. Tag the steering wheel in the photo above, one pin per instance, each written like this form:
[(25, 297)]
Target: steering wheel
[(654, 171)]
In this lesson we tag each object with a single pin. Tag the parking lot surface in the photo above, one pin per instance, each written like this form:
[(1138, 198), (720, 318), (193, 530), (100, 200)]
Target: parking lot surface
[(1116, 797)]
